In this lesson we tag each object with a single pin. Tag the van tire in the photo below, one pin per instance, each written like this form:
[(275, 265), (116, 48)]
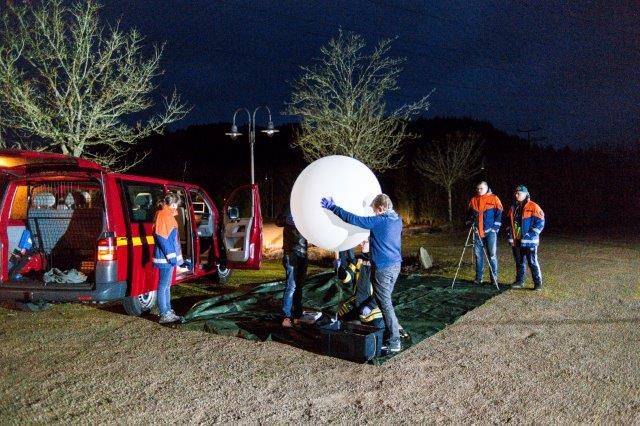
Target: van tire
[(141, 304), (223, 274)]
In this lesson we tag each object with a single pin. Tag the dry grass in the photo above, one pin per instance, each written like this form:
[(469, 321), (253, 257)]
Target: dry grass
[(568, 354)]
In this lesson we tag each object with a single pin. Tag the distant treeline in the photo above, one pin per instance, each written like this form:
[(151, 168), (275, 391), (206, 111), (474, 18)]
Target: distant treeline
[(576, 188)]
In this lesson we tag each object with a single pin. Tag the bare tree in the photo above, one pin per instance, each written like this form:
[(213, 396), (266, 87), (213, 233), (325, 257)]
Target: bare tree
[(450, 160), (341, 100), (72, 86)]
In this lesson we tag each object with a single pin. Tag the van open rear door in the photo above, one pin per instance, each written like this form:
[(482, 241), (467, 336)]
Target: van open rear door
[(242, 228)]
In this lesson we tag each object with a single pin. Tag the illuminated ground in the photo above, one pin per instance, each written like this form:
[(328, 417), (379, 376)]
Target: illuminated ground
[(568, 354)]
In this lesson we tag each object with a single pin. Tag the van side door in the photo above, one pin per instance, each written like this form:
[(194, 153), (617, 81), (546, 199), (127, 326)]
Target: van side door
[(205, 216), (141, 204), (242, 228)]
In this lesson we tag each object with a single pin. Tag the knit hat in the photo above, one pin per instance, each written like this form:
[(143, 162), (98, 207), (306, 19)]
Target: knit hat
[(522, 188)]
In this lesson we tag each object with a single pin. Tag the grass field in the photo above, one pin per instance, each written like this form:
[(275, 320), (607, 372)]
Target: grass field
[(567, 354)]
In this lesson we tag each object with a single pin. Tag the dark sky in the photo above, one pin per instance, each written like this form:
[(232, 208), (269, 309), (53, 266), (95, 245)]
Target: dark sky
[(570, 68)]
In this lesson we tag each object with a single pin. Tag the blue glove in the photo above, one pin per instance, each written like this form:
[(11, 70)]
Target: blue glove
[(336, 263), (327, 203)]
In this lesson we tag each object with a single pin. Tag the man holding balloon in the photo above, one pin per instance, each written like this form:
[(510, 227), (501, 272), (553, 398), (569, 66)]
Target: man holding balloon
[(386, 256)]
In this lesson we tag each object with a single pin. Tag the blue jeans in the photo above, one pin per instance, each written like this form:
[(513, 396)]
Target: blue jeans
[(530, 254), (295, 268), (164, 290), (385, 280), (490, 242)]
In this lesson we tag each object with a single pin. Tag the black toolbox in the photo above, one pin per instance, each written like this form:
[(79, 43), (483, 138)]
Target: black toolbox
[(353, 342)]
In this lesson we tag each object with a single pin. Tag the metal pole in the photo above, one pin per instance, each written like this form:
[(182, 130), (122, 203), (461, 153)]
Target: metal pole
[(252, 140)]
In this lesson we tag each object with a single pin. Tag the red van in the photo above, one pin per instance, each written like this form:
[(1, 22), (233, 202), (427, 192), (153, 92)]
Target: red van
[(92, 231)]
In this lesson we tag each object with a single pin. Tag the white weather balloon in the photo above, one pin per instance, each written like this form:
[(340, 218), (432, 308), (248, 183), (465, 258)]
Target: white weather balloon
[(353, 187)]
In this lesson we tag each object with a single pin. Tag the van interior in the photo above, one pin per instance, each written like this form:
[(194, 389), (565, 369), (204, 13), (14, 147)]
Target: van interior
[(65, 220)]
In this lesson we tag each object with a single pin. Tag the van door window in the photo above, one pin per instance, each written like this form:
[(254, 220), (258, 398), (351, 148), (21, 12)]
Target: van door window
[(143, 200), (205, 224)]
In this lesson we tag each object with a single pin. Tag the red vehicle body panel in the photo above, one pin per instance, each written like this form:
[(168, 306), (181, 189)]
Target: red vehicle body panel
[(134, 240)]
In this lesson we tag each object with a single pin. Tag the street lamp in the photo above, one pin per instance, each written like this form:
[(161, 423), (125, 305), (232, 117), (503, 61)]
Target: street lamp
[(234, 133)]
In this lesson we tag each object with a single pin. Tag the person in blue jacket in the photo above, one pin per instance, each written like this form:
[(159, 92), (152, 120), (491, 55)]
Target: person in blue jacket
[(386, 256), (526, 222), (166, 254)]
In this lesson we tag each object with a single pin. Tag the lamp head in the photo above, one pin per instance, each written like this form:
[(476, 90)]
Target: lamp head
[(234, 133), (270, 130)]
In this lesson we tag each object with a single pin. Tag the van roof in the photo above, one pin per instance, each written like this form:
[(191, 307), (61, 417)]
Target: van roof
[(24, 161)]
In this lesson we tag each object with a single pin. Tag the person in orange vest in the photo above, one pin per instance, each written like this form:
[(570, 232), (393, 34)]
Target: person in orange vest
[(167, 254), (526, 222), (485, 215)]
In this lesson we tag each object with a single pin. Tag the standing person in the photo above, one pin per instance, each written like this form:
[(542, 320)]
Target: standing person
[(526, 222), (485, 214), (294, 260), (386, 256), (166, 254)]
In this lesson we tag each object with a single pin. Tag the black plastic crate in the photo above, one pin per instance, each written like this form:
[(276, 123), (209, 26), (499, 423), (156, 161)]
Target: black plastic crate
[(353, 342)]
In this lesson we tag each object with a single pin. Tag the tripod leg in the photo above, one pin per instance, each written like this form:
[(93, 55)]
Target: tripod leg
[(461, 256)]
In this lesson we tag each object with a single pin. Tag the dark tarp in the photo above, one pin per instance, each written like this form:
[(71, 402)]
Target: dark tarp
[(424, 305)]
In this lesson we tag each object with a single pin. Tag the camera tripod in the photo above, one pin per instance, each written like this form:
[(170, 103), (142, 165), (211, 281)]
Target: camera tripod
[(473, 230)]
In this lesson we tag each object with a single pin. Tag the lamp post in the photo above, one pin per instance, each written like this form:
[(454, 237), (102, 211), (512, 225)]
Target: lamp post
[(234, 133)]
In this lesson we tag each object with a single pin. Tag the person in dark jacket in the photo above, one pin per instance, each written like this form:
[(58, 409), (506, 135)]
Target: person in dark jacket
[(526, 222), (386, 256), (294, 260)]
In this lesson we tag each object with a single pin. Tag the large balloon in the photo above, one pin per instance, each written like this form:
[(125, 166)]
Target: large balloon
[(353, 187)]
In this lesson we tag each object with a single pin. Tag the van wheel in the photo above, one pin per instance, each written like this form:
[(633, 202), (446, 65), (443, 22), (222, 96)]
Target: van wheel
[(223, 274), (140, 304)]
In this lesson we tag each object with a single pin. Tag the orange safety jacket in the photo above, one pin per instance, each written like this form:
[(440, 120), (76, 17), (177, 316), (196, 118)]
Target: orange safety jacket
[(485, 211), (167, 252), (531, 226)]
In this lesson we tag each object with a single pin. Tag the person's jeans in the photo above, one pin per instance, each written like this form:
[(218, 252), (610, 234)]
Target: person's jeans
[(530, 255), (295, 268), (490, 242), (385, 280), (164, 290)]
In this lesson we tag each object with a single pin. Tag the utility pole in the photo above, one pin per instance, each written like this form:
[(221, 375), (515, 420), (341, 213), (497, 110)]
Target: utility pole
[(532, 130)]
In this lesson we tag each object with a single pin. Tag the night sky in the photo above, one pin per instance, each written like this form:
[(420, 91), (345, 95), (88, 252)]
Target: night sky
[(570, 70)]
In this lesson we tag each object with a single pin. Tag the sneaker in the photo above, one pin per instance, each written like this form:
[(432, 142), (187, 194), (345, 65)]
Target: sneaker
[(170, 317), (537, 287), (476, 282), (286, 323), (517, 285), (391, 347)]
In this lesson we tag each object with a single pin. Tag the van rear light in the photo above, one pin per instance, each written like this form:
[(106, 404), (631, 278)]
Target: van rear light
[(107, 249)]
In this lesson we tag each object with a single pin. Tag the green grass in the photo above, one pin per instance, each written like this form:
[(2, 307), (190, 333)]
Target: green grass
[(446, 248)]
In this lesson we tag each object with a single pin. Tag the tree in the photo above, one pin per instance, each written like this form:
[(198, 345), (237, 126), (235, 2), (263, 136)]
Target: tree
[(452, 159), (341, 100), (70, 85)]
